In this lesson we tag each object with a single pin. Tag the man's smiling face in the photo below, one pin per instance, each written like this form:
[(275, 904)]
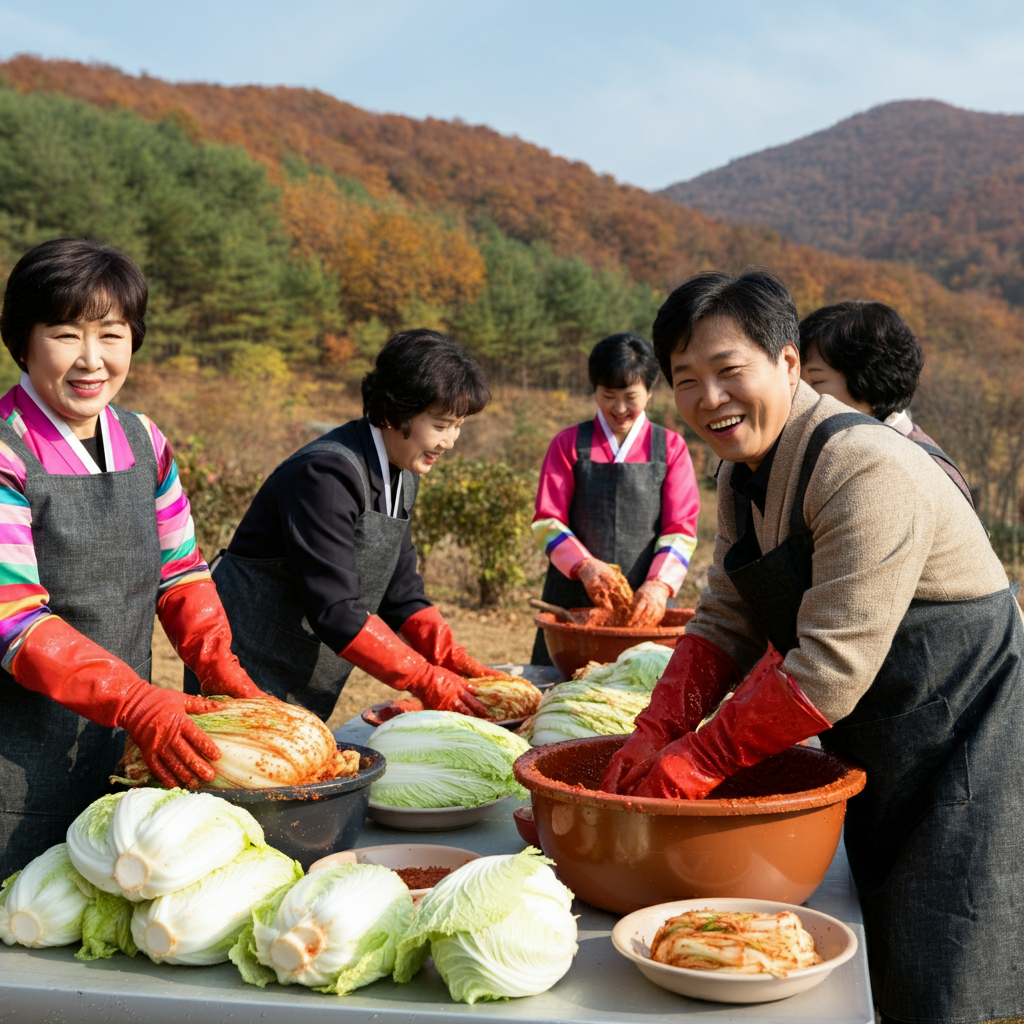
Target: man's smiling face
[(729, 391)]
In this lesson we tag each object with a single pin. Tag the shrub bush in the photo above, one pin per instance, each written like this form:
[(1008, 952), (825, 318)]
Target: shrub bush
[(486, 508)]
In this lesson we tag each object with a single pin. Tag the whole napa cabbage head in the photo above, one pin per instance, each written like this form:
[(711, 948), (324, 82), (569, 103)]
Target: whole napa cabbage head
[(43, 904), (263, 743), (149, 842), (334, 930), (577, 709), (498, 927), (443, 759), (199, 924)]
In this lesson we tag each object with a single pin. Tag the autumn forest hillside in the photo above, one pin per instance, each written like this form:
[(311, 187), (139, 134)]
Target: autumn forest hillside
[(916, 180), (284, 230)]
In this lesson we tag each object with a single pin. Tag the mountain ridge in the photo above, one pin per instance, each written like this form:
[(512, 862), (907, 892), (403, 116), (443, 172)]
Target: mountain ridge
[(915, 180)]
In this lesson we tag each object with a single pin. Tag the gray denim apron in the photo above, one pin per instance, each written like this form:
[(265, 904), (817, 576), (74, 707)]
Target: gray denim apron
[(934, 840), (98, 552), (263, 601), (616, 514)]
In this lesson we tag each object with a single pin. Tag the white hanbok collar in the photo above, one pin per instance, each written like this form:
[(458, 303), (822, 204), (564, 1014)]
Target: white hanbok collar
[(620, 451), (385, 472), (65, 431), (900, 421)]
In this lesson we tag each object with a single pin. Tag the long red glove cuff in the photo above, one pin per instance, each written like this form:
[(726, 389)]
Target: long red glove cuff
[(378, 651), (195, 622), (56, 660), (766, 715), (428, 634), (697, 676)]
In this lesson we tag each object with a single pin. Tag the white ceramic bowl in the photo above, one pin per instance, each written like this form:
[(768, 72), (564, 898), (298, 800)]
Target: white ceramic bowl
[(430, 819), (632, 937), (401, 855)]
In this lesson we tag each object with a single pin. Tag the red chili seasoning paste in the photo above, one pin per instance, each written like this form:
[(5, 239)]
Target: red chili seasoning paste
[(422, 878)]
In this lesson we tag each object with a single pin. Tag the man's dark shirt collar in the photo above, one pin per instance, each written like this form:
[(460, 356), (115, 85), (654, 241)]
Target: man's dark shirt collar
[(753, 484)]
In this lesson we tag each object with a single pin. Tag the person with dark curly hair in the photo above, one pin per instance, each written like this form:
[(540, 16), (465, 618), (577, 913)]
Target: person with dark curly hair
[(864, 354), (320, 575)]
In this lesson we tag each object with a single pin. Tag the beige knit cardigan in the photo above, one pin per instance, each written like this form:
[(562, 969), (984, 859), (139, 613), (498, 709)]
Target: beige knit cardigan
[(888, 525)]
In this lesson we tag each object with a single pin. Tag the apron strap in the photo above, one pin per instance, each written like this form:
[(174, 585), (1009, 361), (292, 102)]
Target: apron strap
[(659, 448), (584, 441), (822, 434), (937, 453)]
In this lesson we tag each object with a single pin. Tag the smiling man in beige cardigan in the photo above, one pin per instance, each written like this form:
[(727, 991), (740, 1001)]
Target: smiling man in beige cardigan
[(853, 593)]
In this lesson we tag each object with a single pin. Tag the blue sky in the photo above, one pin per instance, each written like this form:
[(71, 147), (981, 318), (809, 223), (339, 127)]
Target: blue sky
[(650, 91)]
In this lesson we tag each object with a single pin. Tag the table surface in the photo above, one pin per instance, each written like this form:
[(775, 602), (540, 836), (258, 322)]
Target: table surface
[(51, 986)]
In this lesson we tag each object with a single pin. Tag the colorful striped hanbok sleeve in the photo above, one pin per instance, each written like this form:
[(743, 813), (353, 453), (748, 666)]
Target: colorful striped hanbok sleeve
[(180, 558), (23, 599)]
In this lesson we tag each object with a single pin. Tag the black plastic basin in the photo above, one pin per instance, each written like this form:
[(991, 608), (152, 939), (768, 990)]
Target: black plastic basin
[(308, 822)]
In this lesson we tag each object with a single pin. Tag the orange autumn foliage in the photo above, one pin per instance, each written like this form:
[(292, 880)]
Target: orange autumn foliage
[(383, 257)]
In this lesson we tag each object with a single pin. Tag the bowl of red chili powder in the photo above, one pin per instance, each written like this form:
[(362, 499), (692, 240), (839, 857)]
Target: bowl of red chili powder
[(420, 865)]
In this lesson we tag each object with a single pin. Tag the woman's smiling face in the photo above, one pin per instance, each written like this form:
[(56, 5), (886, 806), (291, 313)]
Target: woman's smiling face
[(431, 433), (78, 368), (729, 391), (621, 407)]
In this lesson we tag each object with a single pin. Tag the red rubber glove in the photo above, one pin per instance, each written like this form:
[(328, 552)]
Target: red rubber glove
[(377, 650), (696, 678), (602, 583), (193, 619), (766, 715), (649, 604), (428, 634), (67, 667)]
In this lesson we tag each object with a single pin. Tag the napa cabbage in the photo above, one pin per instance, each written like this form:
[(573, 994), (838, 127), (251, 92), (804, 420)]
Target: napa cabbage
[(263, 743), (199, 924), (603, 701), (335, 930), (43, 904), (497, 928), (637, 668), (149, 842), (443, 759)]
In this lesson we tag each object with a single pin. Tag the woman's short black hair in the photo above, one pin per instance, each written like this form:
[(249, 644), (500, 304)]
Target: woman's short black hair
[(70, 279), (416, 370), (757, 300), (622, 360), (871, 345)]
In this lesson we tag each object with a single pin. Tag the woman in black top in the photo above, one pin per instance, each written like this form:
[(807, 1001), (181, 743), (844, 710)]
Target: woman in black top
[(321, 573)]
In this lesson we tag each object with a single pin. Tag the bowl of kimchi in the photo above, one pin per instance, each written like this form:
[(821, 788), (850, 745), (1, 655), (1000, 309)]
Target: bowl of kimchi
[(741, 960)]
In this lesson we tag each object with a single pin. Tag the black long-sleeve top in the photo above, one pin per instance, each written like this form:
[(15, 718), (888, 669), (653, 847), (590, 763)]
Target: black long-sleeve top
[(306, 511)]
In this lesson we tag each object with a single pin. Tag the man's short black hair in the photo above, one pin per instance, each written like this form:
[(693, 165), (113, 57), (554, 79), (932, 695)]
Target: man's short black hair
[(622, 360), (871, 345), (756, 300), (66, 280), (419, 369)]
